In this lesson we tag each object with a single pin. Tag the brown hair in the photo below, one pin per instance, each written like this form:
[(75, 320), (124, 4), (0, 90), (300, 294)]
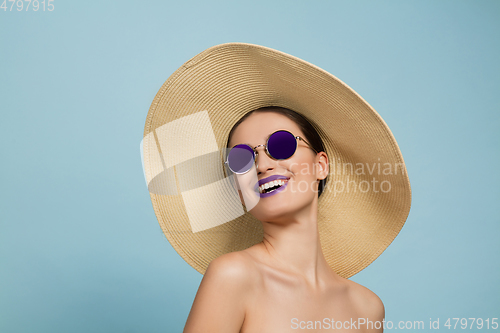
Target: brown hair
[(310, 133)]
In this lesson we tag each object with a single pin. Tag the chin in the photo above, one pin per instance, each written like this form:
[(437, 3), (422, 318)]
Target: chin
[(270, 212)]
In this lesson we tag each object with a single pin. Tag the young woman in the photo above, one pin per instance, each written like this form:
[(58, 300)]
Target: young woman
[(284, 281), (315, 189)]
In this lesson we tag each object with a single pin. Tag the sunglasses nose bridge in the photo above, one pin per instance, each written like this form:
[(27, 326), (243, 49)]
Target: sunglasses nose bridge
[(265, 159), (255, 148), (257, 153)]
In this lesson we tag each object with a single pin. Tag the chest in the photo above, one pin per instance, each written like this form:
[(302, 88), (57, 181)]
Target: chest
[(281, 306)]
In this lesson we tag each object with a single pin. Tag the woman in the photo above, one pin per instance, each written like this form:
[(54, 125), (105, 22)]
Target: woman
[(321, 190), (285, 277)]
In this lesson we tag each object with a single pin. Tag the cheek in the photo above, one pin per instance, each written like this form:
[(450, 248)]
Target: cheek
[(303, 168), (304, 177), (249, 197)]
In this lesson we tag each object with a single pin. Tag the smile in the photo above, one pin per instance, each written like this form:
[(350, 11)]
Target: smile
[(271, 185)]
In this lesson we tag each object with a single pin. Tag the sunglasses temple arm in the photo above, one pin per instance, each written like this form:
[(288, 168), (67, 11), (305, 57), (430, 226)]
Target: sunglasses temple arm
[(307, 143)]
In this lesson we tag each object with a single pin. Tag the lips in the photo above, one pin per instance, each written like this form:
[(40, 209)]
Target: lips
[(269, 179)]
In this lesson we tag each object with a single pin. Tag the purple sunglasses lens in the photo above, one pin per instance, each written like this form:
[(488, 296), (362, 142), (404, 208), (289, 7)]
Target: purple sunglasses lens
[(240, 158), (281, 145)]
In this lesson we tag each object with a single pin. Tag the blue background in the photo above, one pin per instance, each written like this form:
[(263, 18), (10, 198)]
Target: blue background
[(80, 247)]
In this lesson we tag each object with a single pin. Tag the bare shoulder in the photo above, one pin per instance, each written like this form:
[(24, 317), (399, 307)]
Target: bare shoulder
[(366, 301), (222, 299), (235, 268)]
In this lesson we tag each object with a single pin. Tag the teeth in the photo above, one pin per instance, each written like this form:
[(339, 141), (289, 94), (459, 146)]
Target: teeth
[(271, 184)]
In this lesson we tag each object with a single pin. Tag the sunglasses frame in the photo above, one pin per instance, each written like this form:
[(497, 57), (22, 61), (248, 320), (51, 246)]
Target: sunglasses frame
[(255, 152)]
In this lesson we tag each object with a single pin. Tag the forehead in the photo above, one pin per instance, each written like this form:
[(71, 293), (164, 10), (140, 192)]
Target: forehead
[(256, 128)]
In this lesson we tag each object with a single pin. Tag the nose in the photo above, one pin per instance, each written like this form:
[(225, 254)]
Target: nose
[(263, 162)]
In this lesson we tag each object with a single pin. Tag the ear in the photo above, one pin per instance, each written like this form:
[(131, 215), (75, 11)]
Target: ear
[(321, 165)]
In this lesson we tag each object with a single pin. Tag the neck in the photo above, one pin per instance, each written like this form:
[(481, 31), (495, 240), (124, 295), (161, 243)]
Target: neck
[(295, 245)]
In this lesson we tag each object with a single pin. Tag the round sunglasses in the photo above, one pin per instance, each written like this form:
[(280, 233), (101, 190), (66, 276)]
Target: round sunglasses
[(280, 145)]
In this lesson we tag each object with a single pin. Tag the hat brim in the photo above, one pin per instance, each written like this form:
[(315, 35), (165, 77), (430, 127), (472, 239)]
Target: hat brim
[(197, 106)]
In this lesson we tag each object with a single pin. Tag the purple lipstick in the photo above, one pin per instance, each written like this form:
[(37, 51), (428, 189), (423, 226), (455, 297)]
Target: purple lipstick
[(273, 188)]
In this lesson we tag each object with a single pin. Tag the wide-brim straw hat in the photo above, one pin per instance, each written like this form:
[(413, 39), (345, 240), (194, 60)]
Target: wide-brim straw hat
[(367, 196)]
